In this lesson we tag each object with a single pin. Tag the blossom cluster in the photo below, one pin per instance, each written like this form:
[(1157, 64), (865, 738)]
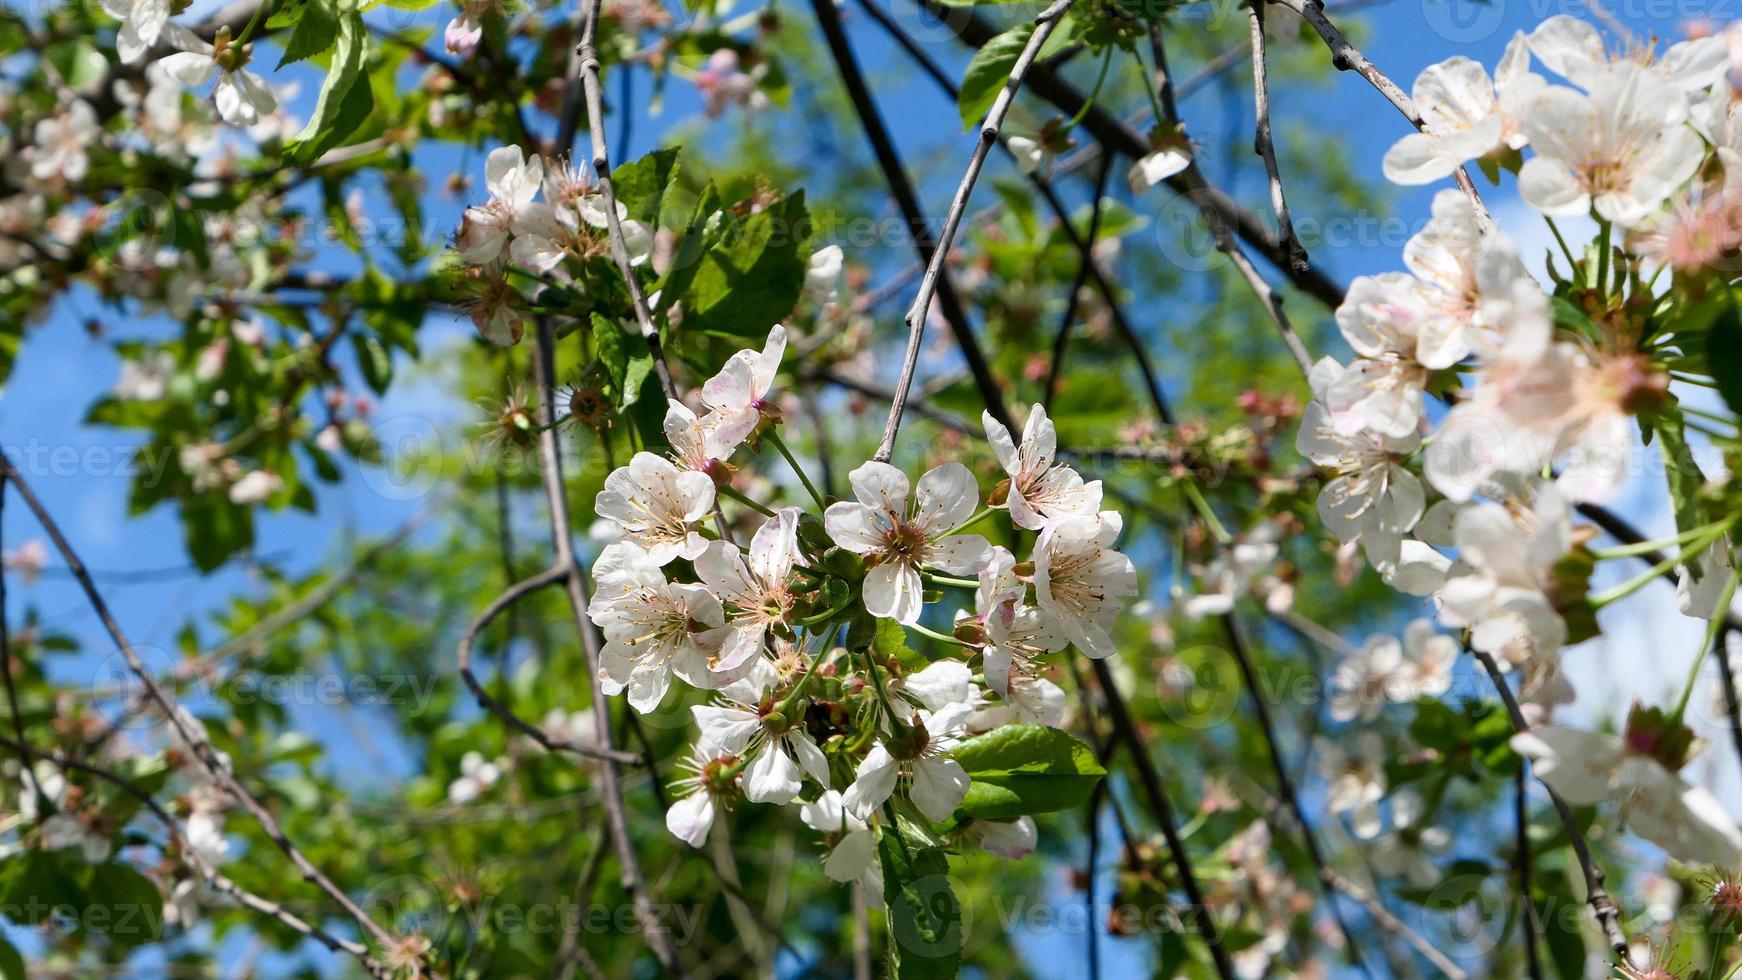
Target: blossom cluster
[(1546, 392), (798, 693)]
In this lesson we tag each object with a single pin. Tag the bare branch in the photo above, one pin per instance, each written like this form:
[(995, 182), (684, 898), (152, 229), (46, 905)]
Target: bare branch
[(1393, 924), (1262, 144), (588, 68), (200, 866), (1345, 57), (189, 733), (901, 189), (573, 578), (490, 703), (1602, 905)]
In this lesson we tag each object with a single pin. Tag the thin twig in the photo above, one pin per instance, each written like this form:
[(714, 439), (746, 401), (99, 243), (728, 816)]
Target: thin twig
[(1393, 924), (186, 729), (1727, 684), (1044, 24), (1522, 860), (593, 90), (1346, 57), (1162, 809), (200, 866), (1203, 195), (507, 600), (1085, 265), (1284, 783), (1602, 905), (1264, 146), (574, 582), (901, 189)]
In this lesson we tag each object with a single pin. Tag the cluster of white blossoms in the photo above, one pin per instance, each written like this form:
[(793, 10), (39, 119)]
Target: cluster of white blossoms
[(797, 696), (515, 228), (1476, 511)]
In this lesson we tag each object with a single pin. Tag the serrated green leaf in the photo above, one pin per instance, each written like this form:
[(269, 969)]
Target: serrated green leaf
[(317, 28), (345, 98), (925, 918), (752, 274)]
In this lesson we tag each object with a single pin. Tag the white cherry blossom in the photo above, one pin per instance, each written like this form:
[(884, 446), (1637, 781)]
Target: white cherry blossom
[(653, 628), (61, 140), (513, 182), (477, 774), (897, 538), (1468, 115), (756, 595), (1499, 586), (658, 505), (935, 782), (739, 393), (1372, 497), (1574, 49), (1039, 488), (1016, 633), (1620, 149), (1080, 582), (1587, 768), (781, 754), (853, 854), (241, 96)]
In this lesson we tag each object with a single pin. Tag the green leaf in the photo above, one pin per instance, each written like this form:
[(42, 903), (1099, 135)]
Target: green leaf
[(1724, 354), (316, 29), (345, 99), (125, 905), (988, 73), (925, 918), (36, 885), (752, 275), (79, 63), (375, 361), (11, 963), (1019, 770), (215, 529), (640, 184)]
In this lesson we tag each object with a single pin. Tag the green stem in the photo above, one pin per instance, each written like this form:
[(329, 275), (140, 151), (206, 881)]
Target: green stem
[(762, 509), (1602, 283), (1716, 624), (1210, 519), (774, 437), (1643, 547), (966, 583), (984, 513), (253, 22), (1639, 581), (940, 637), (1572, 263), (797, 691), (1089, 103)]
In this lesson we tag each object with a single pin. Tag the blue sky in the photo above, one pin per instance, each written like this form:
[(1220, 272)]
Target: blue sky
[(77, 469)]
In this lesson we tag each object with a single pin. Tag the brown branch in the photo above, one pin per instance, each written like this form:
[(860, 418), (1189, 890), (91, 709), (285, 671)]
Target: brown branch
[(1521, 864), (1203, 194), (1162, 808), (588, 70), (190, 734), (1393, 924), (1346, 57), (200, 866), (509, 597), (573, 578), (1264, 146), (901, 189), (1602, 905), (1044, 24)]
